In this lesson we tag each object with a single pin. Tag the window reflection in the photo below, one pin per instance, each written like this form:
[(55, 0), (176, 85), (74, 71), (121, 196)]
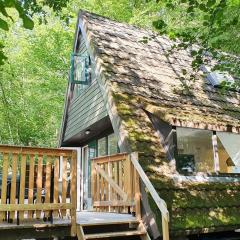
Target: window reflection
[(194, 151), (112, 144), (229, 152), (102, 146)]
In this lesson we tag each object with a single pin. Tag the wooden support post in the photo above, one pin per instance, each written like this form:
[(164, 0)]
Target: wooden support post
[(64, 182), (93, 182), (165, 228), (137, 197), (74, 193), (4, 183), (56, 178), (48, 183), (127, 178)]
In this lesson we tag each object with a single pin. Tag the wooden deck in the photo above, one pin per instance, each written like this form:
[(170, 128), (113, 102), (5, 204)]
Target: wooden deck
[(31, 191), (84, 218)]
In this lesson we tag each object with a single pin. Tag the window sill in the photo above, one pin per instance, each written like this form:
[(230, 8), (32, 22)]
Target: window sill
[(205, 177)]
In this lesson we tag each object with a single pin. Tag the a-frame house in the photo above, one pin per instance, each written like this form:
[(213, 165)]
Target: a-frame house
[(128, 93)]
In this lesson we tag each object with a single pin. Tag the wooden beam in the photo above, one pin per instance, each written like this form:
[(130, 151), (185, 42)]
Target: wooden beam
[(110, 158), (35, 150), (36, 207), (80, 233)]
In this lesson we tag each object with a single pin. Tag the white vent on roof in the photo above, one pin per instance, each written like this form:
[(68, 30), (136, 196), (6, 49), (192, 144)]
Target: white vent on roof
[(216, 78)]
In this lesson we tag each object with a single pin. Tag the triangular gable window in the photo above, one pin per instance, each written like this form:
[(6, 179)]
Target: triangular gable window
[(80, 69)]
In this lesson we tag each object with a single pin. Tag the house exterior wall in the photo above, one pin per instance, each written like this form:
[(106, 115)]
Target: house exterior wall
[(85, 110)]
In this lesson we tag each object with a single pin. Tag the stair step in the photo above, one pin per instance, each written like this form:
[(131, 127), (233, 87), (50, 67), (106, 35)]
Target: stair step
[(109, 223), (114, 234)]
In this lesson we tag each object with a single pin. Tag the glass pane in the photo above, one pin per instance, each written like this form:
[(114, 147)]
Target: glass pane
[(79, 68), (102, 147), (229, 152), (112, 144), (195, 150)]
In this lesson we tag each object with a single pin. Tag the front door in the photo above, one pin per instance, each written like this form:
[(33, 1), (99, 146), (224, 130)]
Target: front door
[(86, 193)]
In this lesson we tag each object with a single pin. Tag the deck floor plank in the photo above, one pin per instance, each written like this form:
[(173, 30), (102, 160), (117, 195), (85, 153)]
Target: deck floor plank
[(84, 218)]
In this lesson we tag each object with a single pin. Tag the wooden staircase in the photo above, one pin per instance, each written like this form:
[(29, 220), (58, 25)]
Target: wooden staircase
[(116, 198), (112, 230)]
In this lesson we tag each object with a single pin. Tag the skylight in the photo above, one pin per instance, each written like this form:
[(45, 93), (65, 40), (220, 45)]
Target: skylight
[(217, 78)]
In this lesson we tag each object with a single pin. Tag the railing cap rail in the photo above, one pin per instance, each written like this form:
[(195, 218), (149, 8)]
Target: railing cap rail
[(35, 150), (118, 155)]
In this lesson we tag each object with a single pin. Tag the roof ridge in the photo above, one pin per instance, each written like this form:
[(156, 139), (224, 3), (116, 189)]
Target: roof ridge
[(84, 12)]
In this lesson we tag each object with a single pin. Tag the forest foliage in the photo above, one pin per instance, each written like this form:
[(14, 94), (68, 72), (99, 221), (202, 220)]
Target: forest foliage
[(36, 42)]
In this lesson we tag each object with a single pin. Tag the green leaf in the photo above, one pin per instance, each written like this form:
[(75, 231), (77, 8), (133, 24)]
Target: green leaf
[(205, 23), (159, 24), (202, 7), (27, 22), (3, 25), (235, 21), (3, 10), (184, 71), (210, 3), (2, 57), (193, 53)]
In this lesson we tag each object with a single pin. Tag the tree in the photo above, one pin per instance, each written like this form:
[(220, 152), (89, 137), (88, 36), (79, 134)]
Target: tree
[(33, 82), (26, 10)]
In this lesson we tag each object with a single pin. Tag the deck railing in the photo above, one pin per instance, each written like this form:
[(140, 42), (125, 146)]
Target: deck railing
[(30, 187), (115, 187)]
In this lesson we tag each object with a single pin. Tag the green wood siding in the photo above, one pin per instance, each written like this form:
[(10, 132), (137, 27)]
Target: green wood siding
[(85, 110)]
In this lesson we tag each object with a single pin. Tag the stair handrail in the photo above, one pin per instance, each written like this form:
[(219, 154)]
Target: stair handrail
[(161, 204)]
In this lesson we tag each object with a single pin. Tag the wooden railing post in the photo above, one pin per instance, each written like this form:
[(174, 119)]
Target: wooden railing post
[(165, 228), (137, 193), (74, 194), (93, 181), (4, 183), (127, 178)]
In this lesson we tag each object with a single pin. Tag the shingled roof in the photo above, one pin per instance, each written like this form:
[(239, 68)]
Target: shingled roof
[(144, 76), (148, 72)]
